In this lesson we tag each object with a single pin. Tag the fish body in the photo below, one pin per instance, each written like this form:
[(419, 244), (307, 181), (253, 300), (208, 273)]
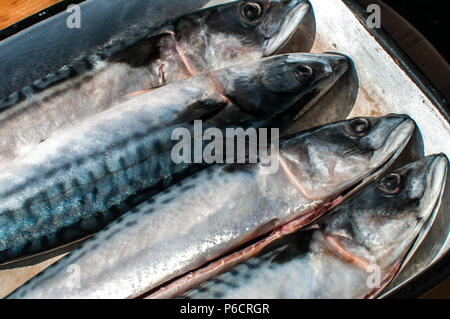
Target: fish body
[(222, 207), (76, 182), (354, 253), (207, 40)]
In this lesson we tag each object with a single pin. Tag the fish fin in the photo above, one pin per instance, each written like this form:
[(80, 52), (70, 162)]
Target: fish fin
[(203, 108), (236, 167), (140, 53), (295, 245)]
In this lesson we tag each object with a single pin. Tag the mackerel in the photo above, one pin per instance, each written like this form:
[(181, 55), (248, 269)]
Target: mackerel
[(210, 39), (221, 208), (74, 183)]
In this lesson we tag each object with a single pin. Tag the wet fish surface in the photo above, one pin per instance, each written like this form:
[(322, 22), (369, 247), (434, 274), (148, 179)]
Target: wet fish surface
[(218, 209), (206, 40), (356, 249), (74, 183)]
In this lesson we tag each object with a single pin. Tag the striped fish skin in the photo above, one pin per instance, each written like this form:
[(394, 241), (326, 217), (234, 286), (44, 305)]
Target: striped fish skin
[(74, 183), (368, 235), (182, 48), (221, 208)]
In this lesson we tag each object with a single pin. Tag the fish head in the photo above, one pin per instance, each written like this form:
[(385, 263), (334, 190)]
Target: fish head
[(301, 72), (240, 31), (328, 160), (283, 84), (269, 24), (380, 223)]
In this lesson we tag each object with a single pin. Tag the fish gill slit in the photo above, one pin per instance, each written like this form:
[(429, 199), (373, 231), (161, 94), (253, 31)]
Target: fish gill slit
[(181, 52), (293, 179), (358, 261)]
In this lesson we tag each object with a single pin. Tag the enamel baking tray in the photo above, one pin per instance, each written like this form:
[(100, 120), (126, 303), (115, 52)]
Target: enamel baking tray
[(383, 80)]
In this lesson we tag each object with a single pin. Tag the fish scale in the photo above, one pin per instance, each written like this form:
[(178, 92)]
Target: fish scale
[(101, 197), (104, 178)]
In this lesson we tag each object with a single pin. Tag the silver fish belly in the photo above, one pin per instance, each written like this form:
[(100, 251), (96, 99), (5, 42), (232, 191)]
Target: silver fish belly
[(221, 208)]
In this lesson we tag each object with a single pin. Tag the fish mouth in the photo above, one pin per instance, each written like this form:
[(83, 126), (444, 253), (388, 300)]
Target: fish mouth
[(397, 138), (334, 67), (287, 28), (435, 181), (435, 178), (339, 64)]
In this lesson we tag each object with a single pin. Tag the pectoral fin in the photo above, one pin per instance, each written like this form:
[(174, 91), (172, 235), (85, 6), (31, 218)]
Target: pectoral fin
[(207, 106), (140, 52)]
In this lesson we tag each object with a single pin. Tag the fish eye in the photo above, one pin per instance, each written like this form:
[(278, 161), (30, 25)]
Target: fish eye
[(360, 126), (251, 11), (303, 71), (391, 184)]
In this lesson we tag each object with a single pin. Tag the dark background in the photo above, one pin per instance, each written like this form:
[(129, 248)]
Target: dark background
[(420, 29), (430, 17)]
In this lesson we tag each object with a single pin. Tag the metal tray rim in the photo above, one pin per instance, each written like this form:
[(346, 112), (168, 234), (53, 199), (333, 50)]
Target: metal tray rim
[(436, 272)]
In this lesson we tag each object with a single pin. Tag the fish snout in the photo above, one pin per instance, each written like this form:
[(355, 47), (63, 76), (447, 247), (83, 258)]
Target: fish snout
[(437, 169), (291, 14), (427, 180), (338, 63), (389, 134)]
